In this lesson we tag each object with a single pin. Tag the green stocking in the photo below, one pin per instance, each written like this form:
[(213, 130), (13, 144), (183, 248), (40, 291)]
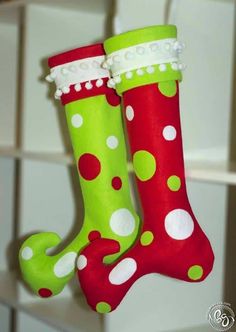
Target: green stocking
[(95, 125)]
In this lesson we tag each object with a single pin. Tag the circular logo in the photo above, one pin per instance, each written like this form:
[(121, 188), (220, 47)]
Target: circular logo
[(221, 316)]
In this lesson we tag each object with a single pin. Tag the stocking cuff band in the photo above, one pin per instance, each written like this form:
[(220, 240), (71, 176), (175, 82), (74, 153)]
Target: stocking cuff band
[(78, 73), (143, 57)]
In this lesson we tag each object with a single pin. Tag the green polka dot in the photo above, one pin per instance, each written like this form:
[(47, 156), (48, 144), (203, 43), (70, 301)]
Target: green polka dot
[(103, 307), (168, 88), (195, 272), (174, 183), (146, 238), (144, 165)]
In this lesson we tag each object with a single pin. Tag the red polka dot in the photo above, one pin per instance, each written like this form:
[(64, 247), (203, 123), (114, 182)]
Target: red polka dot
[(116, 183), (89, 166), (93, 235), (112, 98), (45, 292)]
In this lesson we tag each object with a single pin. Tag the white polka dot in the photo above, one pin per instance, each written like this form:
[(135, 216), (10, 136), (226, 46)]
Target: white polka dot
[(179, 224), (122, 222), (129, 111), (65, 265), (112, 142), (27, 253), (77, 120), (169, 133), (123, 271), (82, 262)]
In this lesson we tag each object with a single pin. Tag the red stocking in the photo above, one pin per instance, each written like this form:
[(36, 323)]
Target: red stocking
[(172, 242)]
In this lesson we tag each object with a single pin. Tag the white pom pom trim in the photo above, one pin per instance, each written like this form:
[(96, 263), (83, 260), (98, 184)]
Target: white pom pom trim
[(77, 72)]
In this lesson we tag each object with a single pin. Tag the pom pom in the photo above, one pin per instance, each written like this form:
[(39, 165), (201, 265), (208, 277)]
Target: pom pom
[(150, 69), (116, 58), (96, 64), (117, 79), (140, 50), (154, 47), (111, 83), (162, 67), (77, 87), (49, 78), (99, 83), (65, 89), (58, 94), (182, 66), (88, 85), (174, 66), (64, 71), (83, 66), (109, 61), (72, 68), (178, 46), (105, 65), (129, 55), (129, 75), (167, 46), (139, 72)]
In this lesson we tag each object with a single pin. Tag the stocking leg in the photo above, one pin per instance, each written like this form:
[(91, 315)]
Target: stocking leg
[(95, 125), (172, 242)]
